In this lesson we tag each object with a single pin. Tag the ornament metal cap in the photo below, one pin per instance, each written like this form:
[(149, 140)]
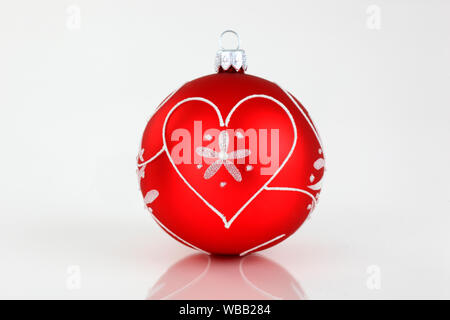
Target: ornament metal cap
[(226, 58)]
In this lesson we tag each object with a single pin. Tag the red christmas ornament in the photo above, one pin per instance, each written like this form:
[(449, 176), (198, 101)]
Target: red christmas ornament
[(230, 163)]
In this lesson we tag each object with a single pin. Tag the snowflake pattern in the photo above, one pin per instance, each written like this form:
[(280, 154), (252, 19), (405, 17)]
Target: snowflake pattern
[(223, 157)]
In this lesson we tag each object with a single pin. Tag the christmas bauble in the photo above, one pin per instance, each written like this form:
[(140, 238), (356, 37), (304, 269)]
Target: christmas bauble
[(230, 163)]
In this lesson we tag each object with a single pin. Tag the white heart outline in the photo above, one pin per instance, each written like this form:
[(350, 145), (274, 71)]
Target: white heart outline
[(227, 223)]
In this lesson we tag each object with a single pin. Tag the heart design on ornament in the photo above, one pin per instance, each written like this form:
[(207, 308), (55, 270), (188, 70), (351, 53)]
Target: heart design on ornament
[(231, 187)]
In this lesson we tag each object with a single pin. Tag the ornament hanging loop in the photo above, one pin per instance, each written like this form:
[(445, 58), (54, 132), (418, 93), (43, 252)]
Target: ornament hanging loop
[(226, 58), (237, 38)]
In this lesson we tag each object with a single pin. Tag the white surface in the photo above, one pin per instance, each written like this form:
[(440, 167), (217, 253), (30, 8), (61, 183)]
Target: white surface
[(74, 102)]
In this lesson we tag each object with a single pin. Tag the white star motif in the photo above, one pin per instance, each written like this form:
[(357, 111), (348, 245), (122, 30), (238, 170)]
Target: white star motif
[(223, 158)]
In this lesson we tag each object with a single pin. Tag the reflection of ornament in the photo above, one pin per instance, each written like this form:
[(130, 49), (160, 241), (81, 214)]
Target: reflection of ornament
[(236, 160), (201, 277)]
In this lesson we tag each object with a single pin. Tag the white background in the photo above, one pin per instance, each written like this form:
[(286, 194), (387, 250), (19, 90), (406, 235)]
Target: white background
[(75, 97)]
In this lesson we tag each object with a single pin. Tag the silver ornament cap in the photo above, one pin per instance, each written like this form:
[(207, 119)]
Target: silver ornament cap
[(227, 58)]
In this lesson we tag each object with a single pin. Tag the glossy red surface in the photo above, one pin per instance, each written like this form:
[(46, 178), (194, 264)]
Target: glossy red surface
[(220, 214)]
